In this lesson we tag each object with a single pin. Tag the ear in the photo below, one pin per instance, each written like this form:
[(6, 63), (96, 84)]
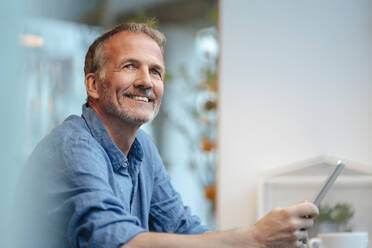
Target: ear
[(91, 85)]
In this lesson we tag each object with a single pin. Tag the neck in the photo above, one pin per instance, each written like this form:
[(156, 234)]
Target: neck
[(121, 132)]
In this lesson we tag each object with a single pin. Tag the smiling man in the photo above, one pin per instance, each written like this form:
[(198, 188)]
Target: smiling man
[(100, 180), (124, 81)]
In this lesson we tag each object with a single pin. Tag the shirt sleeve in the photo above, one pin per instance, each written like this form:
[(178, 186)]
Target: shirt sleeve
[(167, 212), (82, 200)]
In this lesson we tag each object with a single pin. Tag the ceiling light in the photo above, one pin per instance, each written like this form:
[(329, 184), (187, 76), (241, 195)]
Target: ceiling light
[(31, 40)]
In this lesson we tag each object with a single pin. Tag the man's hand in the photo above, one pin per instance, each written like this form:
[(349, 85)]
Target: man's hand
[(281, 228), (286, 227)]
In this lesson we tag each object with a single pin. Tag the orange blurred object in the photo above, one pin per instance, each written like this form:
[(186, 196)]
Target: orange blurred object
[(210, 192), (206, 144), (209, 105)]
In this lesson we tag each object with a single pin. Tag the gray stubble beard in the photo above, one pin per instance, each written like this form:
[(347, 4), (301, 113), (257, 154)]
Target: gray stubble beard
[(109, 107)]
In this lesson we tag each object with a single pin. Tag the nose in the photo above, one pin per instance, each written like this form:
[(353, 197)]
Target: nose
[(143, 79)]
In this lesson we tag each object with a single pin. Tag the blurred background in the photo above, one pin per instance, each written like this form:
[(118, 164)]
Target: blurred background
[(261, 98)]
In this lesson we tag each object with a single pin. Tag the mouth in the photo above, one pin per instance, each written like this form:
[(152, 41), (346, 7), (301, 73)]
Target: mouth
[(140, 98)]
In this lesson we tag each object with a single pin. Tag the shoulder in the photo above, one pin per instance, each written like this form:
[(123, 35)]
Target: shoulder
[(69, 154), (72, 127), (71, 130), (64, 141)]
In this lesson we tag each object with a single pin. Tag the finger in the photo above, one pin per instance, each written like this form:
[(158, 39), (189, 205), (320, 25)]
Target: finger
[(300, 244), (301, 235), (304, 210), (304, 224)]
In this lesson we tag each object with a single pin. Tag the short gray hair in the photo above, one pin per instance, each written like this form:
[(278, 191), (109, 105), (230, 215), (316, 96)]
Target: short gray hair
[(94, 59)]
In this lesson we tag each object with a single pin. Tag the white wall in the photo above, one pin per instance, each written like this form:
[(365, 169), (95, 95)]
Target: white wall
[(295, 82)]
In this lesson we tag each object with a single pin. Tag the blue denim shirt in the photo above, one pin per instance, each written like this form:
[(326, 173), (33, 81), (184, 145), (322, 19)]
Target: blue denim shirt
[(95, 196)]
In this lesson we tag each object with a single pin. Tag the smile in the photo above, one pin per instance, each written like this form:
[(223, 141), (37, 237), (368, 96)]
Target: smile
[(140, 98)]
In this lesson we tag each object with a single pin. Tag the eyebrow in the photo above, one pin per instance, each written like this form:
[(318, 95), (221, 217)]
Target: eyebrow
[(135, 61)]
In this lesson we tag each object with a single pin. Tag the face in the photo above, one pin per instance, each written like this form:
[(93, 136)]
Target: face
[(132, 87)]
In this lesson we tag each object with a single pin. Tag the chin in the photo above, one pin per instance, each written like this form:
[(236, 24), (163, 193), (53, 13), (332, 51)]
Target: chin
[(138, 119), (141, 117), (135, 116)]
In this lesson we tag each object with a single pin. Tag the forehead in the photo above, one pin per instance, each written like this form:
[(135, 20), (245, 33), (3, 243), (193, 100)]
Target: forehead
[(133, 45)]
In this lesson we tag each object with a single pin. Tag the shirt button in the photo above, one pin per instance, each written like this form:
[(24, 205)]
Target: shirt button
[(125, 165)]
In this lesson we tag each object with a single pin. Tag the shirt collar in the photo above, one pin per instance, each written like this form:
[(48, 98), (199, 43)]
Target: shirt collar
[(117, 157)]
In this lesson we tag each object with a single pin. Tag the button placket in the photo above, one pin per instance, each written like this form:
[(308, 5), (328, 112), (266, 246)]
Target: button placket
[(125, 165), (124, 168)]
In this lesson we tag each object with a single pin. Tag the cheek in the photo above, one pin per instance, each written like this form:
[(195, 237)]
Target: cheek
[(103, 89), (122, 80), (158, 89), (119, 88), (108, 90)]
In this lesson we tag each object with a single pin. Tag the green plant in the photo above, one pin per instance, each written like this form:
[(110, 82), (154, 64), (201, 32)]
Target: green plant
[(341, 213)]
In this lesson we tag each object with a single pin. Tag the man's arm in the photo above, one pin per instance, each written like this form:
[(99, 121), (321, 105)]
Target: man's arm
[(281, 228), (233, 238)]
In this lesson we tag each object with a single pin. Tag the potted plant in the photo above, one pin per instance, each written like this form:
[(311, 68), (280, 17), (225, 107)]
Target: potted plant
[(334, 219)]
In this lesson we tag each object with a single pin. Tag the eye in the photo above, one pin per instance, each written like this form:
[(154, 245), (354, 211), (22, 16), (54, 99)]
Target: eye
[(155, 72), (128, 66)]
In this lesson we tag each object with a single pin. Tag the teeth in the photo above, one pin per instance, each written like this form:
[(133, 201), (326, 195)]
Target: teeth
[(141, 98)]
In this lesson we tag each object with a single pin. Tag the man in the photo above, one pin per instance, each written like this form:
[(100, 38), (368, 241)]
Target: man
[(102, 181)]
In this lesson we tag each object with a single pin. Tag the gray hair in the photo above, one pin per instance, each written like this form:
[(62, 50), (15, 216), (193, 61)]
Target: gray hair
[(95, 59)]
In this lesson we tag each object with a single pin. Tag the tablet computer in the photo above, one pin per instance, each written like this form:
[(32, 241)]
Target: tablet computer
[(329, 182)]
